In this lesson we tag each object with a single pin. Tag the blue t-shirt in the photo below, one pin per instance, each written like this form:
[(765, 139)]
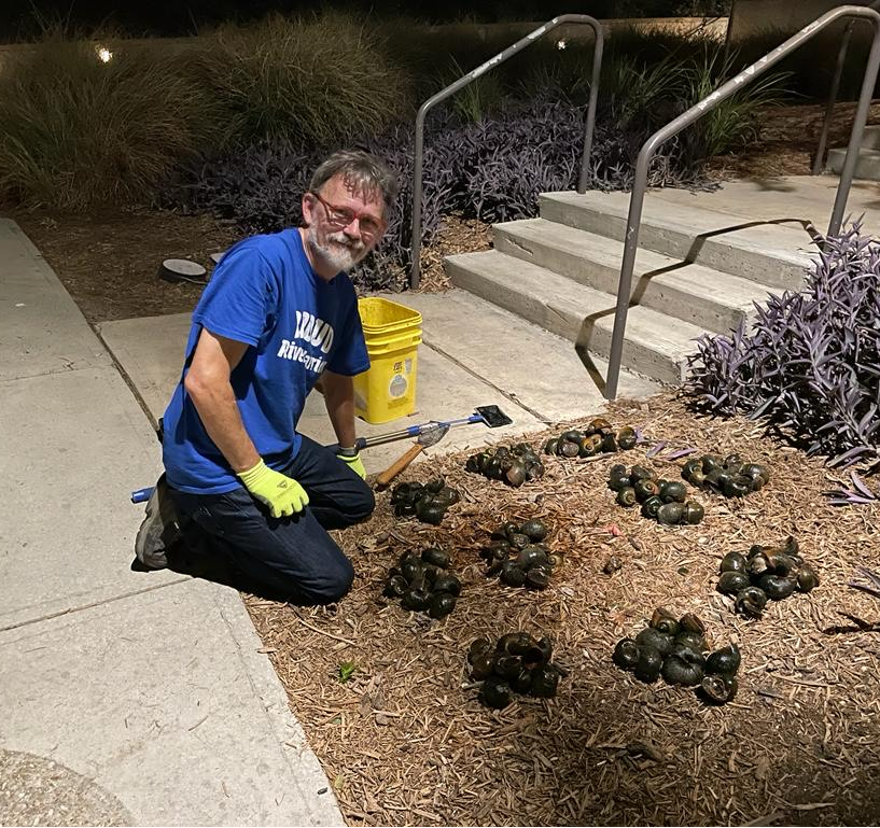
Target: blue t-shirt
[(264, 293)]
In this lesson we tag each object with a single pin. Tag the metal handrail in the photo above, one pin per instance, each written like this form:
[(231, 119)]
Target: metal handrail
[(819, 160), (640, 182), (521, 44)]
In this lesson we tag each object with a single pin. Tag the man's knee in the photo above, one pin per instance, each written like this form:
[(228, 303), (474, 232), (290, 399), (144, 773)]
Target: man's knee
[(333, 585), (362, 505)]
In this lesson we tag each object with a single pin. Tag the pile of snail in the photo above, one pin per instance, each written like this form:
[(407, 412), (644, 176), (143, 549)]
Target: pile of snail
[(598, 437), (518, 556), (663, 500), (730, 476), (518, 663), (676, 648), (765, 572), (511, 465), (423, 584), (427, 502)]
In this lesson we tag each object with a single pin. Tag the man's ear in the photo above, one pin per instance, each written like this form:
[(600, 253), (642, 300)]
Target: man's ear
[(308, 207)]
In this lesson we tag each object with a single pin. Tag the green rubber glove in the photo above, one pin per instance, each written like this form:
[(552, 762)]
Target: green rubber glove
[(355, 464), (282, 494)]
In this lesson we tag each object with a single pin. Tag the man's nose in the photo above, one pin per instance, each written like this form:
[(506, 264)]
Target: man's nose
[(353, 228)]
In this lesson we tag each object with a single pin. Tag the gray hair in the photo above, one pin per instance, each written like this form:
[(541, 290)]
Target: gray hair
[(364, 173)]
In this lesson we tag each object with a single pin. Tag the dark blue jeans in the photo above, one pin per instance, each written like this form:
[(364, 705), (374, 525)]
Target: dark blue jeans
[(294, 558)]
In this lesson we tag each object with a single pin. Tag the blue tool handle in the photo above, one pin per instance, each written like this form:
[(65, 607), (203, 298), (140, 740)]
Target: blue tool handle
[(142, 495)]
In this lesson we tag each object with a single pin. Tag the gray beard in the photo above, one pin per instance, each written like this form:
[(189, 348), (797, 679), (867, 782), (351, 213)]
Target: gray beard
[(339, 252)]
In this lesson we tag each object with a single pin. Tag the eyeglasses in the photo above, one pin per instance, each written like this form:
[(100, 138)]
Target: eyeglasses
[(341, 217)]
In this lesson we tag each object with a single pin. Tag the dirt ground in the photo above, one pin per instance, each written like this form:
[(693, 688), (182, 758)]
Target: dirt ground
[(108, 260), (405, 740)]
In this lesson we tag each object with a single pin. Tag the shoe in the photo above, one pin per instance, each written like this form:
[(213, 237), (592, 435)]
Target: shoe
[(159, 530)]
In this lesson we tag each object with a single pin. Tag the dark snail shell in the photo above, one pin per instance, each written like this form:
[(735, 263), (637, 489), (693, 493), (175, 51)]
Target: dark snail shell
[(395, 587), (691, 466), (507, 666), (616, 482), (626, 438), (678, 670), (665, 621), (545, 681), (612, 565), (479, 646), (516, 474), (655, 640), (751, 602), (515, 643), (648, 666), (436, 557), (442, 603), (692, 640), (430, 512), (777, 587), (626, 496), (645, 488), (435, 485), (539, 653), (758, 565), (534, 470), (512, 574), (597, 425), (447, 497), (692, 623), (693, 512), (551, 446), (780, 563), (412, 568), (671, 514), (651, 507), (608, 443), (688, 653), (736, 486), (523, 682), (756, 470), (731, 583), (641, 473), (496, 693), (673, 491), (518, 540), (446, 582), (535, 530), (589, 445), (416, 600), (733, 562), (725, 660), (538, 576), (572, 435), (718, 689), (626, 654), (481, 666), (567, 449), (618, 470), (807, 579), (530, 556), (711, 462)]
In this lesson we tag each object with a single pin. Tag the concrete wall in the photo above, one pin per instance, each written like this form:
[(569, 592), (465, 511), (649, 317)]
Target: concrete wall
[(754, 17)]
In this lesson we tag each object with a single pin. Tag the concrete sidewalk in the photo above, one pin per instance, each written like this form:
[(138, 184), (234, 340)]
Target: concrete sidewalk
[(142, 697)]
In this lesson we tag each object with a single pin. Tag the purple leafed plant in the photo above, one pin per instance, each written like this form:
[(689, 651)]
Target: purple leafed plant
[(810, 367)]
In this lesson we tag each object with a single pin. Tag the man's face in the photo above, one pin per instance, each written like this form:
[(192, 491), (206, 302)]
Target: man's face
[(343, 226)]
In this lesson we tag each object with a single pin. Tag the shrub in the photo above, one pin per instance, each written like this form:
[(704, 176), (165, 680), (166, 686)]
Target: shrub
[(75, 131), (303, 81), (810, 368)]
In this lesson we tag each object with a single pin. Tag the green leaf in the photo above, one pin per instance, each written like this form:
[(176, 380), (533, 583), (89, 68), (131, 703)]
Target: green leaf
[(346, 671)]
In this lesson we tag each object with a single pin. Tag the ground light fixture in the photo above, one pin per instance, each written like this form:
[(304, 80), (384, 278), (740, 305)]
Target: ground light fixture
[(104, 54)]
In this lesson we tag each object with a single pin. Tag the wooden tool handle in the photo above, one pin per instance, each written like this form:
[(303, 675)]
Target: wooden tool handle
[(398, 465)]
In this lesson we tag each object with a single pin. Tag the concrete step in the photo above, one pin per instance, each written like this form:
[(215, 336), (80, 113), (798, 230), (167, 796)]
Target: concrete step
[(867, 165), (871, 137), (548, 378), (705, 297), (769, 254), (656, 345)]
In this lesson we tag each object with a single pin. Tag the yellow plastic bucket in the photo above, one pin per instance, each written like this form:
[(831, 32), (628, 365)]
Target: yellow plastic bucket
[(392, 332)]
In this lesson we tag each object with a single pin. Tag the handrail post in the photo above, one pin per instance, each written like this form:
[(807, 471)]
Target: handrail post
[(819, 160), (695, 113), (591, 111), (858, 130), (531, 37)]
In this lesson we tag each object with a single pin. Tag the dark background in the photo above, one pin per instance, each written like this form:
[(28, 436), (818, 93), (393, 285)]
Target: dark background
[(20, 19)]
